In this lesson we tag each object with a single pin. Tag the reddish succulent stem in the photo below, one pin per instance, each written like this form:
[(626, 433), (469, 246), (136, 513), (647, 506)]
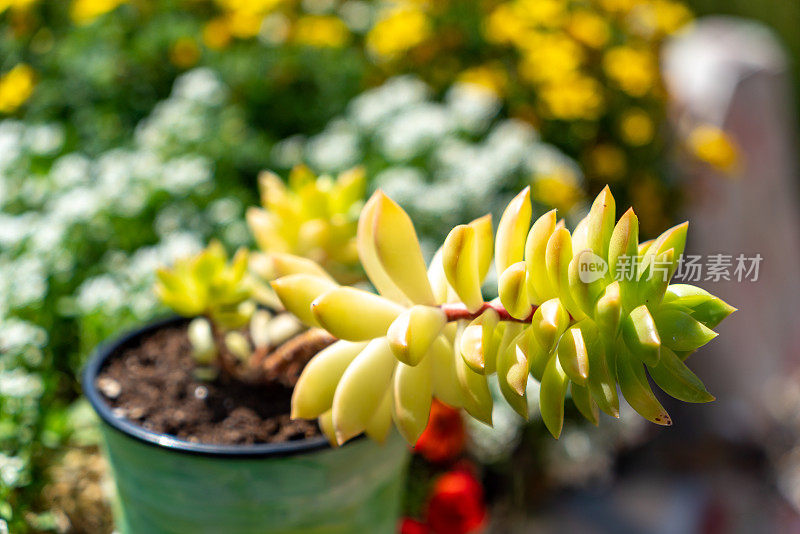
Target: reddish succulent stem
[(458, 311)]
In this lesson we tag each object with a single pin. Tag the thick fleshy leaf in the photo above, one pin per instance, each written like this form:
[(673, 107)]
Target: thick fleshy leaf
[(608, 311), (285, 264), (655, 279), (413, 332), (623, 258), (549, 322), (537, 357), (475, 394), (641, 335), (573, 356), (539, 287), (587, 280), (477, 344), (325, 422), (298, 291), (600, 223), (313, 394), (204, 350), (381, 423), (361, 389), (512, 373), (513, 291), (704, 306), (368, 253), (412, 399), (353, 314), (557, 257), (460, 263), (397, 249), (680, 331), (446, 387), (674, 238), (484, 236), (585, 403), (509, 247), (677, 380), (602, 382), (636, 389), (551, 396)]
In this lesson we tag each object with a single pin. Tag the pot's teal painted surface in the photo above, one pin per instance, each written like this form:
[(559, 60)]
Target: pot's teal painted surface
[(355, 489)]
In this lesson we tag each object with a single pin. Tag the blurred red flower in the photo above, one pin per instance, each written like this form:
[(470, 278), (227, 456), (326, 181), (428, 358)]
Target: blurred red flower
[(412, 526), (444, 437), (456, 505)]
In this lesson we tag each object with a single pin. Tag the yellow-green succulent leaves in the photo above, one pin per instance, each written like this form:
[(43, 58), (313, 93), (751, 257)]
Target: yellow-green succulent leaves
[(313, 394), (354, 314), (703, 306), (475, 395), (207, 284), (601, 381), (479, 342), (674, 238), (573, 356), (461, 264), (549, 322), (677, 380), (513, 291), (484, 236), (512, 367), (512, 230), (361, 389), (297, 291), (539, 287), (282, 264), (655, 279), (313, 217), (381, 423), (446, 386), (587, 282), (623, 253), (608, 311), (398, 251), (600, 223), (557, 259), (680, 331), (412, 388), (413, 332), (636, 389), (641, 335), (585, 403), (551, 396)]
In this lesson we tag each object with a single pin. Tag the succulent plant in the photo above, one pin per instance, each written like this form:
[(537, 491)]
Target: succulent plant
[(314, 217), (582, 312), (227, 332)]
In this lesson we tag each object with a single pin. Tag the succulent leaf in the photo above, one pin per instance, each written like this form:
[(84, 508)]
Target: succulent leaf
[(509, 247), (413, 332), (334, 309)]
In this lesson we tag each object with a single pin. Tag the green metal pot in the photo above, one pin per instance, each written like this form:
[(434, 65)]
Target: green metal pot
[(166, 485)]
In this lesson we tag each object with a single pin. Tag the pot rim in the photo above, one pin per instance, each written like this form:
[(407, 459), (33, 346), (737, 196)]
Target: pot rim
[(109, 348)]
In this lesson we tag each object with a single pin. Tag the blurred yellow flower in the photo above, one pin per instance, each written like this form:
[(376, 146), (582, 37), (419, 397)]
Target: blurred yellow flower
[(635, 70), (544, 13), (550, 57), (658, 18), (16, 4), (713, 146), (398, 31), (216, 34), (244, 17), (490, 77), (321, 31), (16, 86), (588, 28), (184, 53), (574, 98), (86, 11), (503, 26), (636, 127), (607, 162), (560, 190), (618, 6)]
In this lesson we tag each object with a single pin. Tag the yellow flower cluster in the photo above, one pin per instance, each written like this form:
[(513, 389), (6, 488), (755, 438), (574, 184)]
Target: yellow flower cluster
[(398, 30), (16, 86), (86, 11)]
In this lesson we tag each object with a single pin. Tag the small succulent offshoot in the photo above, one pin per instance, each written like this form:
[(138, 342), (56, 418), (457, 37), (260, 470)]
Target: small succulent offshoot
[(228, 333), (581, 331), (313, 217)]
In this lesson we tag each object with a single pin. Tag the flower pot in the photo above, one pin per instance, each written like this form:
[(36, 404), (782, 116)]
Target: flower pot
[(168, 485)]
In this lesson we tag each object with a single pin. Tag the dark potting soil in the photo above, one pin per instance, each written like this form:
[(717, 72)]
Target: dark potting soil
[(151, 383)]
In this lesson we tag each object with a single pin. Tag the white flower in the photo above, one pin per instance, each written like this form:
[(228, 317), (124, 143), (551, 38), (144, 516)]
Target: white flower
[(16, 383), (335, 149), (201, 85), (70, 170), (473, 107), (408, 134), (101, 292), (45, 139), (373, 106)]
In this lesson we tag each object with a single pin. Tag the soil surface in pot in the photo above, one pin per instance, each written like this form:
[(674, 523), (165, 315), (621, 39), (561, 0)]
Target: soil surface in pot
[(151, 382)]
